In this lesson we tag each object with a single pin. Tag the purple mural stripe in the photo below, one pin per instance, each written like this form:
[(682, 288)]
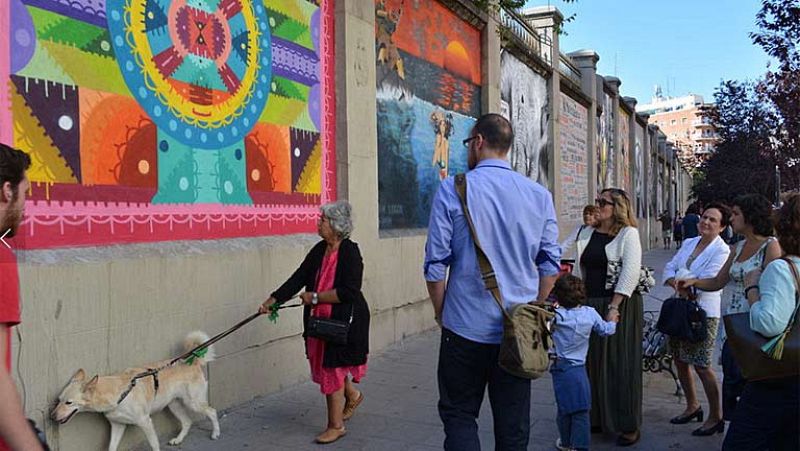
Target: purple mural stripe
[(294, 62), (23, 36), (89, 11), (56, 108)]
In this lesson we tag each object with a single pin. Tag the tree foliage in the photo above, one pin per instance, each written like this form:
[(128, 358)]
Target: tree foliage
[(759, 122)]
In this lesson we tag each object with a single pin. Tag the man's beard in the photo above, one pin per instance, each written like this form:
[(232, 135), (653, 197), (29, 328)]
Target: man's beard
[(12, 221)]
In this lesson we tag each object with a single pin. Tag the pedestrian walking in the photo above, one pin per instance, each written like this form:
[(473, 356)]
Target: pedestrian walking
[(750, 216), (610, 259), (700, 257), (331, 274), (15, 432), (516, 222), (690, 222), (677, 230), (768, 413), (572, 327), (666, 228)]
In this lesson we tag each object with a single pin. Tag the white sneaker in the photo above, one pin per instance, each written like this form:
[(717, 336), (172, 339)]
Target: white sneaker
[(559, 447)]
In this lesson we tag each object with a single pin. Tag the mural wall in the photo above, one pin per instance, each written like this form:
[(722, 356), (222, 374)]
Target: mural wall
[(606, 125), (524, 102), (573, 132), (428, 98), (640, 193), (151, 120), (624, 150)]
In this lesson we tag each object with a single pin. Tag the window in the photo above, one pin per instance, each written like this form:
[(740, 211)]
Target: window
[(683, 120), (672, 122)]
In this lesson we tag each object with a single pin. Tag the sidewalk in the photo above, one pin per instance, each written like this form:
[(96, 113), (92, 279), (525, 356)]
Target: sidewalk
[(399, 409)]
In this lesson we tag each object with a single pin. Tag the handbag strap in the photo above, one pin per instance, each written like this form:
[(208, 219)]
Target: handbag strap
[(487, 272)]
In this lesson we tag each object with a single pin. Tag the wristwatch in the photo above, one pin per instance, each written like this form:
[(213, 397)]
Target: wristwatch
[(314, 298)]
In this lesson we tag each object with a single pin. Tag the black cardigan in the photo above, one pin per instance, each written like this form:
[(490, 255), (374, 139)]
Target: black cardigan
[(347, 283)]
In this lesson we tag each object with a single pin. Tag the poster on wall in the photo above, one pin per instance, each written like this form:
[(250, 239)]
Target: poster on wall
[(624, 150), (153, 120), (523, 94), (428, 98), (639, 173), (574, 161)]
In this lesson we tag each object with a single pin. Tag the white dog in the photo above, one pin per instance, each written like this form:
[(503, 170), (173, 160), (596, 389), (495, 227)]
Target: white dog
[(180, 383)]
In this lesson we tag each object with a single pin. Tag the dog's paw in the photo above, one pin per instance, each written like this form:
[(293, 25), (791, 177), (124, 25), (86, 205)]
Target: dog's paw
[(175, 442), (214, 435)]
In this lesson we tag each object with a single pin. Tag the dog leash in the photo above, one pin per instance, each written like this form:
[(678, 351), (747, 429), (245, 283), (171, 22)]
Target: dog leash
[(197, 352)]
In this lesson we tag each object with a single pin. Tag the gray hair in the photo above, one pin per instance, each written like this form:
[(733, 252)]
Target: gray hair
[(339, 215)]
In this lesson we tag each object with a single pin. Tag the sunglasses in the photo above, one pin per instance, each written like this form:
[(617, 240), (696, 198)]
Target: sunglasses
[(468, 140), (600, 202)]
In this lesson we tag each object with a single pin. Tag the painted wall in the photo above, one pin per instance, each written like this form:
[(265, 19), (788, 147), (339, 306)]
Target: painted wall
[(428, 84), (625, 181), (639, 173), (164, 120), (574, 161), (606, 127), (525, 103)]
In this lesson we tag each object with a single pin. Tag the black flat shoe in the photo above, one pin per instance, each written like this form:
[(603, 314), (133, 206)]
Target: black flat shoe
[(718, 428), (624, 441), (683, 419)]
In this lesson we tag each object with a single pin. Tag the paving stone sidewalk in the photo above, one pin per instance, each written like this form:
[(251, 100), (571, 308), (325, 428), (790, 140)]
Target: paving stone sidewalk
[(399, 410)]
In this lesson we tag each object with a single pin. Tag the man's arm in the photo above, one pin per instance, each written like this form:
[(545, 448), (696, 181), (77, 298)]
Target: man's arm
[(548, 261), (545, 287), (14, 428), (436, 292)]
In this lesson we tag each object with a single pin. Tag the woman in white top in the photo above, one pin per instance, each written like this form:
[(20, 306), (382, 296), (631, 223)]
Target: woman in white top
[(609, 262), (700, 257), (750, 217), (589, 220)]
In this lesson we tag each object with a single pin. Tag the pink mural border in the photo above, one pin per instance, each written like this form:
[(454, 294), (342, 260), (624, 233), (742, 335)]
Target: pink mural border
[(61, 223)]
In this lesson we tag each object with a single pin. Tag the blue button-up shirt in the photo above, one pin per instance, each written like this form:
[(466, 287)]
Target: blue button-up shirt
[(516, 223), (572, 330)]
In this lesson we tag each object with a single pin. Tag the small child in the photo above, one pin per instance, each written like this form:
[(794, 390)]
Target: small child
[(573, 325)]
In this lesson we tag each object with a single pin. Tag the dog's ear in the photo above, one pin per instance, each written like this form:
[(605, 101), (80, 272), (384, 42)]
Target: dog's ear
[(79, 376), (91, 385)]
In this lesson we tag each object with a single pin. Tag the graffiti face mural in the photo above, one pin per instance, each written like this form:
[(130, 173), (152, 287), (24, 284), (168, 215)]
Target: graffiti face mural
[(151, 120), (428, 97), (525, 103), (624, 150), (639, 173)]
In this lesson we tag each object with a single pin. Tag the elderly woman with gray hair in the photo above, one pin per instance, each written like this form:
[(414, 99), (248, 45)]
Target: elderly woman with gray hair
[(331, 274)]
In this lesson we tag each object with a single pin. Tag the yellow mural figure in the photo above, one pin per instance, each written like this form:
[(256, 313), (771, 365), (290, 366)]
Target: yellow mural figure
[(443, 127), (387, 22)]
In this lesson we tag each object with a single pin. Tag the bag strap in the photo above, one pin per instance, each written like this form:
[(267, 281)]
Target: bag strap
[(487, 273), (775, 346)]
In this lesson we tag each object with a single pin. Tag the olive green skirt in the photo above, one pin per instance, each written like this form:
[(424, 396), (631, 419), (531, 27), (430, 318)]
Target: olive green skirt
[(614, 365)]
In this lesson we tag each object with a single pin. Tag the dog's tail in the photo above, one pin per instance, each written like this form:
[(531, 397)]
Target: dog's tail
[(195, 339)]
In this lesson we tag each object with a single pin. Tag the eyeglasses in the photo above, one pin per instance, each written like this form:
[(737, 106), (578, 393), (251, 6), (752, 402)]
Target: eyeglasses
[(467, 141), (600, 202)]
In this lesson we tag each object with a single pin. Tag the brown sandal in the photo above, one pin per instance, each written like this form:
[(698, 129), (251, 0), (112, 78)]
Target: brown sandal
[(350, 406), (331, 435)]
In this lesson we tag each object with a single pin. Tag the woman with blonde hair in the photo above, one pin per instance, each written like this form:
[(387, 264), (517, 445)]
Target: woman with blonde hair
[(609, 262)]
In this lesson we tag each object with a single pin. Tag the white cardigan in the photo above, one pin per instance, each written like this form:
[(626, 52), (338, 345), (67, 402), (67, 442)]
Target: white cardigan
[(624, 247), (705, 266)]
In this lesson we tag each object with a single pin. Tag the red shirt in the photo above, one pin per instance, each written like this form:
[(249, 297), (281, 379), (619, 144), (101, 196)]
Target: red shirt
[(9, 296), (9, 302)]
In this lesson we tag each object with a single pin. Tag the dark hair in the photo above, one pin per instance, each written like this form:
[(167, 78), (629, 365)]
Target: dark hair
[(13, 164), (787, 224), (590, 210), (692, 209), (496, 131), (570, 291), (723, 209), (757, 211)]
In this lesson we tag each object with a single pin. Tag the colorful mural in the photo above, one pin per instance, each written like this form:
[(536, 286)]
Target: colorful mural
[(624, 150), (573, 130), (524, 100), (151, 120), (639, 172), (606, 125), (428, 98)]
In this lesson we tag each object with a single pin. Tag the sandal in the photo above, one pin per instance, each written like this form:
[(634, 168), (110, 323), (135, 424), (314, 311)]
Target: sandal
[(350, 406)]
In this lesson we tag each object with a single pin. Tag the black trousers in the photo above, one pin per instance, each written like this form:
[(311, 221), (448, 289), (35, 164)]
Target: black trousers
[(767, 417), (465, 369)]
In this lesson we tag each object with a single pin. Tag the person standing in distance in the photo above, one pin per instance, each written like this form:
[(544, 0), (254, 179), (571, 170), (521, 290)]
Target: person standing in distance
[(515, 220)]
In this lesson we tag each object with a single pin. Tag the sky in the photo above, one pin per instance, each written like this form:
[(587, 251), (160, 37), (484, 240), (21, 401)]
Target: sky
[(686, 46)]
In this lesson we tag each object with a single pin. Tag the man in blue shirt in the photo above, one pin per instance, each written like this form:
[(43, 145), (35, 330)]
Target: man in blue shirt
[(690, 223), (515, 221)]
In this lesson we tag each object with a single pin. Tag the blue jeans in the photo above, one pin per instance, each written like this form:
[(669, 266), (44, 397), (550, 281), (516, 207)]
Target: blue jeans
[(766, 417), (574, 429), (465, 369)]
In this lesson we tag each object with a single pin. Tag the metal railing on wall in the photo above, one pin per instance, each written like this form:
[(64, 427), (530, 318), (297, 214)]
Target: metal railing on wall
[(539, 44), (568, 69)]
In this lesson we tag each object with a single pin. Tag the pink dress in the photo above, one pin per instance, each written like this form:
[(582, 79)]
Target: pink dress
[(329, 379)]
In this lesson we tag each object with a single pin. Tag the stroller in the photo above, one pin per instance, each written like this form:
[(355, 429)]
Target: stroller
[(655, 355)]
